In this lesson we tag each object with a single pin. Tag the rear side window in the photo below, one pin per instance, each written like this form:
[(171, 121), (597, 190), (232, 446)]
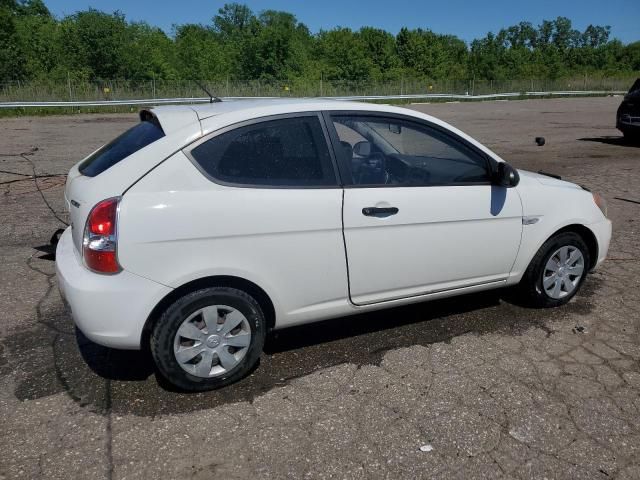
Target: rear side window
[(129, 142), (290, 152)]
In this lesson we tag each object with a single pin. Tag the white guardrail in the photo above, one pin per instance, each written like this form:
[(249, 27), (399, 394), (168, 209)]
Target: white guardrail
[(419, 96)]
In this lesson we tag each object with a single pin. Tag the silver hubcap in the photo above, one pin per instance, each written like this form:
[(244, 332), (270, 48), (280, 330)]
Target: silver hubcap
[(212, 341), (563, 272)]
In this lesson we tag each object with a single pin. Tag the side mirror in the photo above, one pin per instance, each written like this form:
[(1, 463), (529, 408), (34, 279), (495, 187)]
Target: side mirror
[(505, 175), (362, 149)]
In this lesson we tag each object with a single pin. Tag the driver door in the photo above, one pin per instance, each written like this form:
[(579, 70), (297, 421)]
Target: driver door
[(420, 213)]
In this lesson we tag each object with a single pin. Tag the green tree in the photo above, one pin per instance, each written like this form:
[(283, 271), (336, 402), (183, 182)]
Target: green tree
[(233, 20), (631, 56), (11, 53), (32, 8), (149, 53), (595, 36), (343, 55), (39, 41), (277, 48), (429, 54), (381, 48), (200, 53), (273, 45), (94, 43)]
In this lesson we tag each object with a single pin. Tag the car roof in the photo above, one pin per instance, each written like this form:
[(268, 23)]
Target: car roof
[(295, 104), (174, 113), (213, 116), (204, 111), (174, 117)]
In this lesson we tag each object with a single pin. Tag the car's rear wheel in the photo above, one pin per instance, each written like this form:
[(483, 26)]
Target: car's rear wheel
[(556, 272), (208, 338)]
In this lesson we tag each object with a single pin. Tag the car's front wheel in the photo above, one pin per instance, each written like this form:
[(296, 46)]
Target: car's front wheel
[(556, 272), (208, 338)]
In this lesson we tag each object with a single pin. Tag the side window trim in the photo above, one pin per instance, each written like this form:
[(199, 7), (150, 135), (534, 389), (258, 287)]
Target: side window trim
[(334, 141), (255, 121), (345, 171)]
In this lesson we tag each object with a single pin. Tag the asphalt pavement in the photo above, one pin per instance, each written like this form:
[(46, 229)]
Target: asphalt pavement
[(470, 387)]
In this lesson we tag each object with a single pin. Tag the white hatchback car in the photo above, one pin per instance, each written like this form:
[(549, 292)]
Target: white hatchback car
[(203, 227)]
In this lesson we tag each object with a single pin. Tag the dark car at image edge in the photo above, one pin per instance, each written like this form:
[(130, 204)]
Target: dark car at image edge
[(628, 115)]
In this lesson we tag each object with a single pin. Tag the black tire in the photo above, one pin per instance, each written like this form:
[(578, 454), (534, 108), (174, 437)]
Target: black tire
[(164, 331), (530, 289)]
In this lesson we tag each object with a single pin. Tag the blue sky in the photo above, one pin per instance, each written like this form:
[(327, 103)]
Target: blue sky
[(467, 19)]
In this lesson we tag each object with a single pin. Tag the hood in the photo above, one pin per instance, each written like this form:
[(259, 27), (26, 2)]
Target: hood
[(531, 178), (635, 95), (634, 91)]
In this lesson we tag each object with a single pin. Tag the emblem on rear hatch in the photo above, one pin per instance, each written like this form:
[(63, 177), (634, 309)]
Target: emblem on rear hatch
[(75, 204)]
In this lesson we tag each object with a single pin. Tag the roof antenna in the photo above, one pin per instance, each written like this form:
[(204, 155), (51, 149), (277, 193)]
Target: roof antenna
[(212, 98)]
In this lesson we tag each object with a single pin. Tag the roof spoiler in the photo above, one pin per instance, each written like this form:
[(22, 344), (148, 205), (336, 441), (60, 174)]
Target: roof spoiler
[(169, 119), (148, 116)]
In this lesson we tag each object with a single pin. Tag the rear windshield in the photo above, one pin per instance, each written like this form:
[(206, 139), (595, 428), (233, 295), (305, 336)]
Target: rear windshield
[(134, 139)]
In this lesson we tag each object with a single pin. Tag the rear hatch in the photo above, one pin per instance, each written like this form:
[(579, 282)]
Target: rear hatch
[(113, 168)]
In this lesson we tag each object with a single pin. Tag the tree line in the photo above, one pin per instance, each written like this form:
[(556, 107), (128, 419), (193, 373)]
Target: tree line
[(238, 43)]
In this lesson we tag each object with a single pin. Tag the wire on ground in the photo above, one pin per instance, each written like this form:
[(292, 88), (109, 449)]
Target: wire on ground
[(33, 177)]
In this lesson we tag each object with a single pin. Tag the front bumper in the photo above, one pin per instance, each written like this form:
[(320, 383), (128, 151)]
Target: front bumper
[(110, 310), (602, 231), (628, 123)]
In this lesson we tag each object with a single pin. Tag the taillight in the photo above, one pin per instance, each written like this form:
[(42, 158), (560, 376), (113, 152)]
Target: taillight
[(100, 238)]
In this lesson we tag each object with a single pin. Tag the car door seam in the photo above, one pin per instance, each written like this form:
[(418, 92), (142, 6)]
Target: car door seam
[(346, 254), (515, 258)]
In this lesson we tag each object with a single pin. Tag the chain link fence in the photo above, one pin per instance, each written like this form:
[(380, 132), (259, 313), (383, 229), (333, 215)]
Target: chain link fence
[(120, 89)]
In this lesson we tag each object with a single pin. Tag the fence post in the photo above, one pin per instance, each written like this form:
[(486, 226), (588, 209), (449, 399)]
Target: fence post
[(69, 85)]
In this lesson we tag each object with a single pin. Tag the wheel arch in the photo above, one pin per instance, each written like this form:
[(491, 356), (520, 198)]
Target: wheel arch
[(580, 229), (205, 282), (589, 238)]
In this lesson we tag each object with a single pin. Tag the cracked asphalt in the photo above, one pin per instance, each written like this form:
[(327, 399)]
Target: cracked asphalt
[(470, 387)]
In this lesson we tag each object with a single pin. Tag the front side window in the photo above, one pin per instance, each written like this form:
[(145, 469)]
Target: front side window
[(134, 139), (289, 152), (390, 151)]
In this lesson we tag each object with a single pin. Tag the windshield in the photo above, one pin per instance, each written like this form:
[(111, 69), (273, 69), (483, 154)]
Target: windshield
[(134, 139)]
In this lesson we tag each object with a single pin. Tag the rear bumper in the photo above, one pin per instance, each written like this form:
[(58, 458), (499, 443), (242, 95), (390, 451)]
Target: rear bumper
[(110, 310), (602, 231)]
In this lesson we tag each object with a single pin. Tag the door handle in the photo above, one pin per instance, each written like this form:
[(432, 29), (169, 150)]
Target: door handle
[(379, 211)]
